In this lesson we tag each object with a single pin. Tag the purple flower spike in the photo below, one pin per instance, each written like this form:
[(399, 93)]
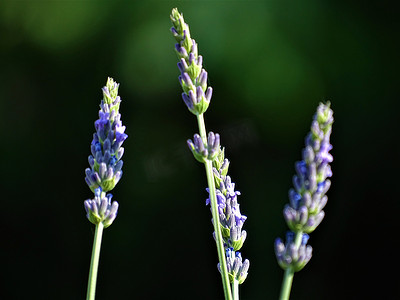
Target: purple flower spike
[(193, 76), (106, 145), (105, 161), (313, 172), (304, 212)]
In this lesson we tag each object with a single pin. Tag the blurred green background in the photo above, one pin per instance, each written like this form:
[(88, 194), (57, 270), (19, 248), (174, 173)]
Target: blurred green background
[(270, 64)]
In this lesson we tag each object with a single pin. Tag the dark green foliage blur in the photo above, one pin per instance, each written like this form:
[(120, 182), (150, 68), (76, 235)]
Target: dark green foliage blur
[(270, 64)]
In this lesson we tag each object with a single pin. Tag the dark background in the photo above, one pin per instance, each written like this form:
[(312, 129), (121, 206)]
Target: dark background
[(270, 64)]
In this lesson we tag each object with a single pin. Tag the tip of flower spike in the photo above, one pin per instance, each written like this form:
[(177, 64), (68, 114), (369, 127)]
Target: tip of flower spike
[(112, 84), (179, 25), (324, 113), (110, 91), (175, 13), (175, 17)]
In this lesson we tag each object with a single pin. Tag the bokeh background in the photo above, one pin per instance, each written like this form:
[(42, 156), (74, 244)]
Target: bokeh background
[(270, 64)]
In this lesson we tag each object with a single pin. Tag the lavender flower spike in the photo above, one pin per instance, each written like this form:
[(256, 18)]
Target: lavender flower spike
[(105, 161), (193, 78), (104, 173), (307, 199)]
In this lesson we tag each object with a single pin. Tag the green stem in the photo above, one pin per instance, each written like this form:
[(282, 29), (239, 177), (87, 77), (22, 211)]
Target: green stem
[(286, 284), (289, 273), (235, 289), (94, 263), (215, 214), (202, 128)]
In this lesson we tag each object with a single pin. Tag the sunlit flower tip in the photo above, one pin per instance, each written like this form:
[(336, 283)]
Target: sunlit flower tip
[(177, 21), (180, 29), (101, 209), (324, 114), (110, 91)]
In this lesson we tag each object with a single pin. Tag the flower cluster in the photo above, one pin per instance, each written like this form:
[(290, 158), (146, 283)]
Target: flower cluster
[(202, 152), (105, 161), (231, 219), (307, 199), (291, 255), (101, 209), (193, 78), (237, 269)]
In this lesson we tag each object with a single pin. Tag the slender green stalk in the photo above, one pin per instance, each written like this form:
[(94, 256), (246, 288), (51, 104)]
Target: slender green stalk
[(289, 273), (215, 215), (94, 263), (202, 128), (235, 289), (286, 284)]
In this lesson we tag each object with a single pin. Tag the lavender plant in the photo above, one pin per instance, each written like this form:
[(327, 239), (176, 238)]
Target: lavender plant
[(226, 217), (104, 173), (307, 199)]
